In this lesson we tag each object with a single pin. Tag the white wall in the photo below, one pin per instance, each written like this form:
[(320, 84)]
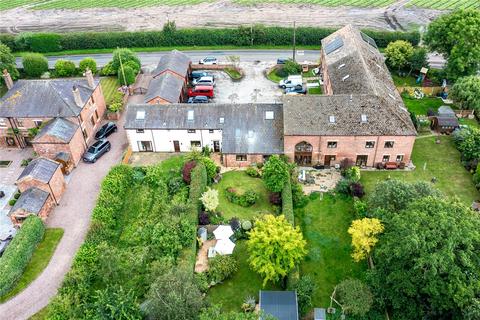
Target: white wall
[(162, 140)]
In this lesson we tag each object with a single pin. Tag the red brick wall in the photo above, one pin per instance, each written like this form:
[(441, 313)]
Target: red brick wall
[(229, 160), (327, 86), (158, 100), (43, 214), (49, 147), (96, 102), (55, 187)]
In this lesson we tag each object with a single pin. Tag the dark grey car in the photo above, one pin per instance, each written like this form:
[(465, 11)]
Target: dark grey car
[(96, 150)]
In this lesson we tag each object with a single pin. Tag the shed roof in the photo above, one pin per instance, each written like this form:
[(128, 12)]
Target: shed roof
[(49, 98), (447, 121), (245, 127), (352, 115), (280, 304), (446, 110), (40, 169), (60, 128), (166, 86), (31, 200), (174, 61)]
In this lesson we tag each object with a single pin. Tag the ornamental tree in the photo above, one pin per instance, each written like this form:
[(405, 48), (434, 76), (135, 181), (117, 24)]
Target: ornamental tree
[(7, 61), (210, 199), (88, 63), (363, 232), (354, 296), (275, 247), (275, 173), (456, 37), (398, 54), (466, 91)]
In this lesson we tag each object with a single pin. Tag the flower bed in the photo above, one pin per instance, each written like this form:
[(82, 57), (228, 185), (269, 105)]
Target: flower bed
[(245, 199)]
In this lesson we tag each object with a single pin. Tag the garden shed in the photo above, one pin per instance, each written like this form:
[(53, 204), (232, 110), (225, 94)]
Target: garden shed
[(282, 305), (33, 201)]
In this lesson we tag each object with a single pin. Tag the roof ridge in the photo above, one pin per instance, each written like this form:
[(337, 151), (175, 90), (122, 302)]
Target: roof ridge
[(362, 58), (61, 98)]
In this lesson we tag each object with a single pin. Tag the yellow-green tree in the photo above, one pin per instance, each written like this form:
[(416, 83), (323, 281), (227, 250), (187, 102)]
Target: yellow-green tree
[(275, 247), (363, 232)]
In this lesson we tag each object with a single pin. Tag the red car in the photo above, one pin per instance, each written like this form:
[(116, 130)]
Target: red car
[(201, 91)]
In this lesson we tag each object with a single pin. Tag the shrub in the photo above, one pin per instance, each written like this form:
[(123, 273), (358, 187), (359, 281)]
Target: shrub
[(275, 173), (16, 195), (65, 68), (249, 304), (203, 218), (252, 172), (275, 198), (291, 67), (353, 174), (187, 170), (8, 61), (235, 223), (343, 186), (12, 202), (305, 287), (116, 104), (287, 203), (134, 65), (108, 70), (210, 199), (360, 207), (221, 268), (246, 199), (89, 63), (246, 225), (126, 76), (19, 251), (34, 64), (355, 297), (300, 200), (356, 189), (210, 166), (198, 185), (346, 163)]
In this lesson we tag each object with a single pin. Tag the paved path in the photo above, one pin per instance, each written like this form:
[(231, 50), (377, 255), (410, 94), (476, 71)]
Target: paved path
[(73, 215)]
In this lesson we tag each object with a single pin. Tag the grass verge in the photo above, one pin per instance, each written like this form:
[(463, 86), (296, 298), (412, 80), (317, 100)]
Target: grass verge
[(272, 76), (315, 90), (40, 259), (235, 74)]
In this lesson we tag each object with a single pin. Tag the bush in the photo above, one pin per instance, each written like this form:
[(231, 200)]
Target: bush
[(356, 189), (117, 102), (38, 42), (134, 65), (89, 63), (65, 68), (252, 172), (221, 268), (16, 195), (12, 202), (126, 76), (287, 203), (203, 218), (343, 186), (352, 174), (246, 225), (275, 173), (235, 223), (305, 287), (246, 199), (275, 198), (108, 70), (210, 166), (300, 200), (123, 56), (210, 199), (360, 207), (187, 170), (34, 64), (290, 67), (19, 251)]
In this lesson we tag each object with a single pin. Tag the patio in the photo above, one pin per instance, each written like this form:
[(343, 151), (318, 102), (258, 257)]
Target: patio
[(318, 180)]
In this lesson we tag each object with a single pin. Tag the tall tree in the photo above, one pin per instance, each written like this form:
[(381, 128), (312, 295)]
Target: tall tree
[(456, 37), (364, 232), (354, 296), (7, 61), (466, 91), (427, 261), (418, 60), (275, 173), (275, 247), (398, 54)]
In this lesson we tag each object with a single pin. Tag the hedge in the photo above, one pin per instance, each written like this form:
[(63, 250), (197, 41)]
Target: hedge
[(198, 185), (287, 203), (241, 36), (19, 252)]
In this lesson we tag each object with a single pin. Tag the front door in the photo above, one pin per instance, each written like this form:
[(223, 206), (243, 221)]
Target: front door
[(361, 161), (328, 160), (176, 146), (216, 146)]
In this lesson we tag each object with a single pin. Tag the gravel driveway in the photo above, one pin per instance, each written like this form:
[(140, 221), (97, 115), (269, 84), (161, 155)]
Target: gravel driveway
[(73, 215)]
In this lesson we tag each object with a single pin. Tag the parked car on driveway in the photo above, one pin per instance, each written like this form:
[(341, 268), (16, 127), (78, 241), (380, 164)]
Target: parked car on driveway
[(106, 130), (198, 74), (201, 91), (204, 81), (296, 90), (291, 81), (96, 150), (208, 61), (198, 99)]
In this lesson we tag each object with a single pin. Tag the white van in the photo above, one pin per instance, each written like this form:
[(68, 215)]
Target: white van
[(291, 81)]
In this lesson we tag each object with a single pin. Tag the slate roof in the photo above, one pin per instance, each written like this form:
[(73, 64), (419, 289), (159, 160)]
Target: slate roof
[(44, 98), (32, 200), (280, 304), (40, 169), (166, 86), (310, 115), (175, 61), (59, 128), (244, 130), (447, 121), (445, 110)]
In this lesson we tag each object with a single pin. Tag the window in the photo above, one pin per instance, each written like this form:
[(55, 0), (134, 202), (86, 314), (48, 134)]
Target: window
[(92, 120), (331, 119), (38, 123), (191, 130), (85, 135), (3, 123), (364, 118), (96, 114), (221, 120), (269, 115), (265, 157), (140, 115), (386, 158), (370, 144), (331, 144), (210, 131), (389, 144), (140, 131), (195, 144), (20, 123), (399, 158), (145, 146), (241, 157)]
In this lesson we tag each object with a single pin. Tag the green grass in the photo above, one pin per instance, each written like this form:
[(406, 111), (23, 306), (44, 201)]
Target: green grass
[(409, 81), (317, 90), (109, 87), (233, 73), (469, 122), (40, 259), (421, 106), (245, 282), (327, 3), (324, 223), (40, 315), (441, 161), (273, 76), (3, 90), (240, 181)]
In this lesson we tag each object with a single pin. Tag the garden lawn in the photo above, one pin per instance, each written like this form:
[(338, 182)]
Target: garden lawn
[(244, 283), (241, 182), (109, 87), (409, 81), (441, 161), (39, 261), (273, 76), (421, 106), (324, 223), (469, 122)]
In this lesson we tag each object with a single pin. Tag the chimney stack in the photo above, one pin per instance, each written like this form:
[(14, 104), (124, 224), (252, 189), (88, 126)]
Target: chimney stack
[(76, 97), (90, 80), (8, 79)]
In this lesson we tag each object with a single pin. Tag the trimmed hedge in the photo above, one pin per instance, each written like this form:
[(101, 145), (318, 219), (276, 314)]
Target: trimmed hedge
[(241, 36), (19, 252), (287, 203)]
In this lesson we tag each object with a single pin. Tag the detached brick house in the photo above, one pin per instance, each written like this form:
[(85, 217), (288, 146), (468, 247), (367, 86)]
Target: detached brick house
[(29, 104)]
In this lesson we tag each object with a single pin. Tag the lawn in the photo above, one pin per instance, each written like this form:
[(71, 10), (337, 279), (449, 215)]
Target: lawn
[(315, 90), (469, 122), (240, 181), (409, 81), (421, 106), (109, 87), (40, 259), (324, 223), (232, 292), (272, 76), (441, 161)]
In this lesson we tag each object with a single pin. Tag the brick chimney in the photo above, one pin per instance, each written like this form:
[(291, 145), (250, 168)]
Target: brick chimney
[(76, 97), (8, 79), (90, 80)]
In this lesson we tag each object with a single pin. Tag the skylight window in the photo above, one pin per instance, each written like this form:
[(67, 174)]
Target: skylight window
[(391, 96), (331, 119), (190, 115), (346, 77), (221, 120), (341, 66), (269, 115), (140, 115), (364, 118)]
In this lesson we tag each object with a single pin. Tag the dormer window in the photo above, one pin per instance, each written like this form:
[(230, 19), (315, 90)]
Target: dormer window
[(269, 115), (331, 119)]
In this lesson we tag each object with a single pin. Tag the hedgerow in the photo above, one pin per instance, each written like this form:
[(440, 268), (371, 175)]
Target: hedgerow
[(19, 251)]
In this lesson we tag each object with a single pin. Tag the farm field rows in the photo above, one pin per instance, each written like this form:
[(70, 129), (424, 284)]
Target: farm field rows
[(326, 3), (445, 5)]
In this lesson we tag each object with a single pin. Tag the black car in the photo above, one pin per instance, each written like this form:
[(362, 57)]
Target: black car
[(296, 90), (106, 130), (281, 60), (198, 74), (96, 150), (198, 99)]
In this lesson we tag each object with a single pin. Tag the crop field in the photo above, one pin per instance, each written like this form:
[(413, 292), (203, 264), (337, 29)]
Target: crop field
[(326, 3), (446, 4)]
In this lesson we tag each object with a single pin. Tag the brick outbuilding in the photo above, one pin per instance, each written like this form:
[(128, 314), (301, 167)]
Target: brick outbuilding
[(44, 174), (33, 201)]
